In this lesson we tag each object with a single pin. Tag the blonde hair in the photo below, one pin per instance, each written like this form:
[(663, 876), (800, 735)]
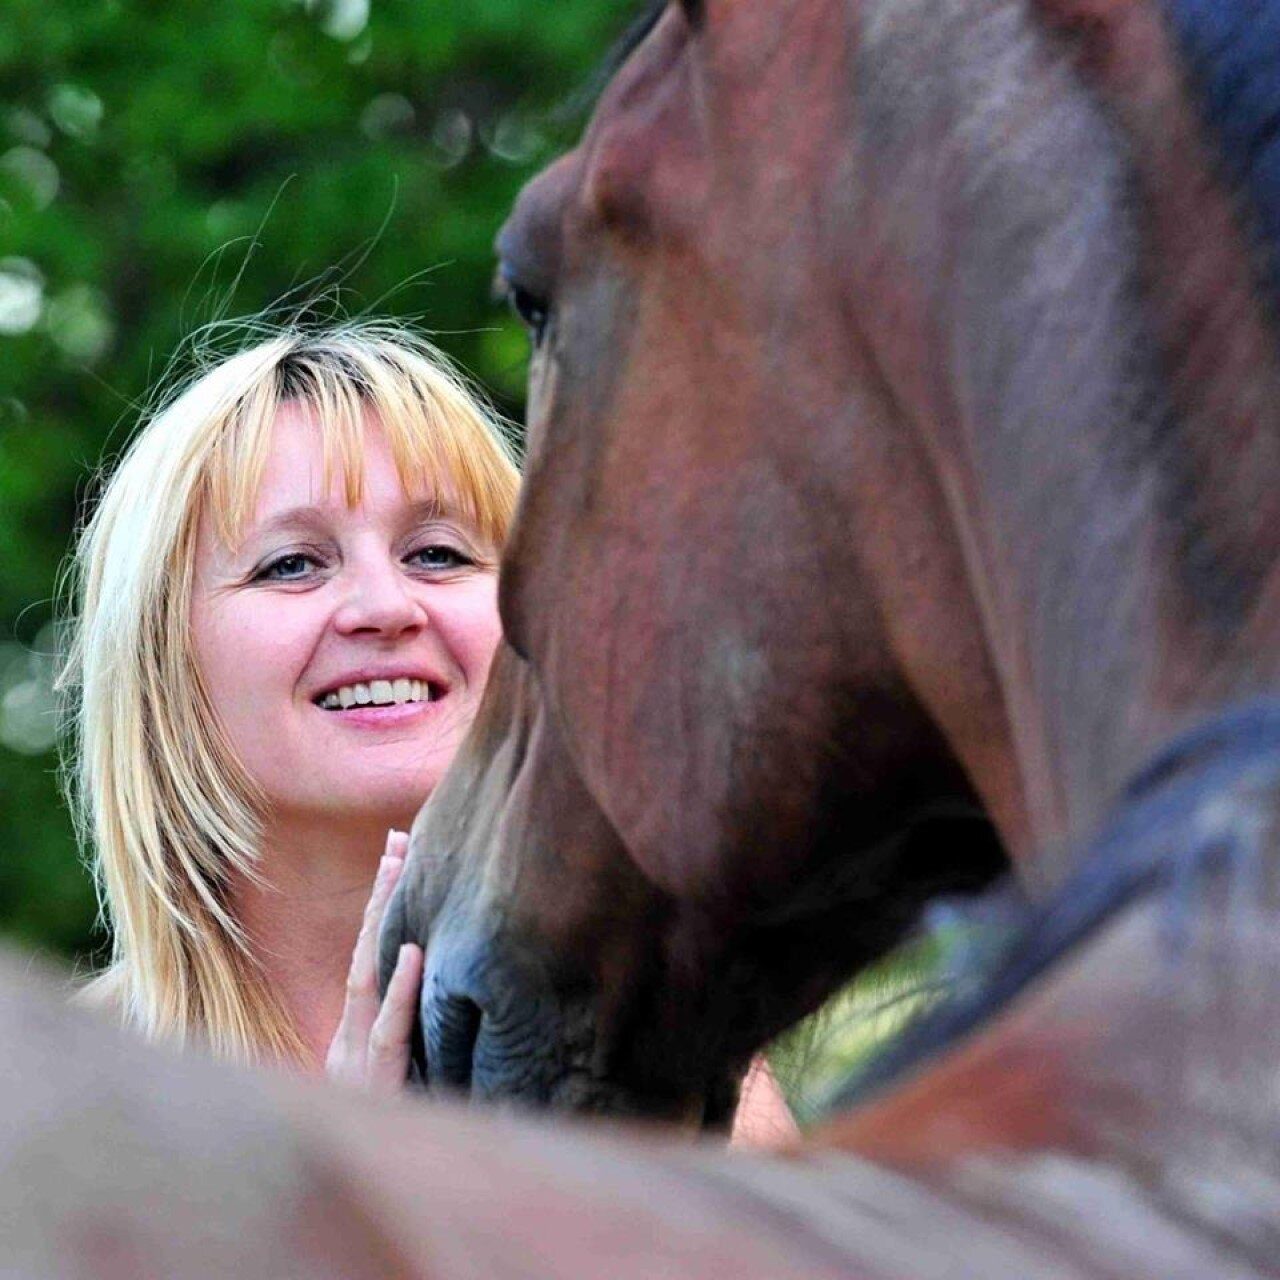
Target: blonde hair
[(168, 815)]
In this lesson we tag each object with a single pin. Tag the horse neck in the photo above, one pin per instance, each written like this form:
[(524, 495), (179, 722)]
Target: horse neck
[(1144, 1086), (1103, 418)]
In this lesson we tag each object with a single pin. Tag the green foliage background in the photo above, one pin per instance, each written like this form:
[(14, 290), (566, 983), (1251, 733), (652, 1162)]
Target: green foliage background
[(166, 162)]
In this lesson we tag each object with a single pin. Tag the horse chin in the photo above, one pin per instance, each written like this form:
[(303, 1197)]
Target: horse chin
[(705, 1112), (499, 1032)]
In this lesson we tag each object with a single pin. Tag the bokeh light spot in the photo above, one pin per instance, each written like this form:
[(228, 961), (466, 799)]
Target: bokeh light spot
[(386, 114), (78, 323), (34, 172), (451, 136), (225, 219), (75, 110), (514, 139), (28, 704), (12, 412), (21, 295), (27, 127), (342, 19)]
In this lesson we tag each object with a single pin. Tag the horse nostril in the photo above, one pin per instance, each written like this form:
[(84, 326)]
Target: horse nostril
[(451, 1024)]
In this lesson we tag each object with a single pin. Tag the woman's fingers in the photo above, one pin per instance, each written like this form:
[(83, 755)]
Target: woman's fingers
[(364, 960), (388, 1061), (349, 1052), (362, 977)]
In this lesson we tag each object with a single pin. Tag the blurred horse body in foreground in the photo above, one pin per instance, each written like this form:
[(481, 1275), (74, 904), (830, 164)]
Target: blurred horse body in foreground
[(903, 443), (119, 1161)]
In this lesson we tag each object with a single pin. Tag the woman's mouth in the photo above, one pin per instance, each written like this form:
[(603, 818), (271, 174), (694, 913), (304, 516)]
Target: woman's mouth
[(380, 693)]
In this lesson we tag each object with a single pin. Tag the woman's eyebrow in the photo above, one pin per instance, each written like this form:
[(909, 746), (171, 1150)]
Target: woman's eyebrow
[(437, 507), (290, 518)]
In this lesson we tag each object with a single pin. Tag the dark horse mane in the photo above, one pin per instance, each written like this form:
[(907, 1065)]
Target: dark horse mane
[(580, 100), (1169, 836), (1232, 61)]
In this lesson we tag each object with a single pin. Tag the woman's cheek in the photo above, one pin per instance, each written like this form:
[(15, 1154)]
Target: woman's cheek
[(477, 631)]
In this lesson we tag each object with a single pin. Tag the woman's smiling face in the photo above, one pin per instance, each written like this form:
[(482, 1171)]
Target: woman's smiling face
[(344, 648)]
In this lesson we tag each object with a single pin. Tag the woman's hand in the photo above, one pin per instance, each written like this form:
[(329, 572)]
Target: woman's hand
[(370, 1049)]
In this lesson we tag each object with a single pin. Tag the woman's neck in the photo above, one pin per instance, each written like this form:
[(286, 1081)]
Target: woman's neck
[(303, 917)]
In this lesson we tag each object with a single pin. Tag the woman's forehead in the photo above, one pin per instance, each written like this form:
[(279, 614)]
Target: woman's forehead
[(305, 464)]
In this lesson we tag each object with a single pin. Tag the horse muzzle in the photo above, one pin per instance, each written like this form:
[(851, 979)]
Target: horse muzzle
[(491, 1023), (496, 1025)]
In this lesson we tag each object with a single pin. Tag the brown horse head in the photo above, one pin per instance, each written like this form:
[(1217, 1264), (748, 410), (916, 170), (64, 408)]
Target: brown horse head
[(900, 446)]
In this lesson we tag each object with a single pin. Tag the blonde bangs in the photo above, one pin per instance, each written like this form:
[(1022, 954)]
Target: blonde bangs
[(441, 439), (444, 445), (237, 455)]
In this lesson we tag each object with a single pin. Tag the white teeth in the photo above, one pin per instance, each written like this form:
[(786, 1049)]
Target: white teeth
[(378, 693)]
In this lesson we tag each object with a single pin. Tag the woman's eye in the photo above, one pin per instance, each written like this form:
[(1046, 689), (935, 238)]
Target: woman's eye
[(286, 568), (440, 556)]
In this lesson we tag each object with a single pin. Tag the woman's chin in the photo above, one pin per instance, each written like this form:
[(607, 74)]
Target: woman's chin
[(364, 801)]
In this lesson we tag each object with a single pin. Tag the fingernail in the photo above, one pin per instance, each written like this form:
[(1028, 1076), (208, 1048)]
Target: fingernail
[(405, 949)]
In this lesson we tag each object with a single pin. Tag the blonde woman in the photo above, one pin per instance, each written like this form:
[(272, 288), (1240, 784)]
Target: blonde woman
[(286, 614)]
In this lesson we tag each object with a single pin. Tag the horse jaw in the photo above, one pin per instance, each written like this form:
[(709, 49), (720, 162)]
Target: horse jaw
[(1131, 1070)]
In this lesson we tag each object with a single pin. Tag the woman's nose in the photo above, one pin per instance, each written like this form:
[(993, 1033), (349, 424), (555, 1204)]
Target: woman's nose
[(379, 598)]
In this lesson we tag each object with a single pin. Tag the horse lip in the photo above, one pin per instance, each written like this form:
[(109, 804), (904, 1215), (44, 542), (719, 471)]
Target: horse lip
[(490, 1022)]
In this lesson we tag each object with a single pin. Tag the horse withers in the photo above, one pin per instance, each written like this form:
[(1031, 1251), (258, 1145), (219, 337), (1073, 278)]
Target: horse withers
[(902, 441)]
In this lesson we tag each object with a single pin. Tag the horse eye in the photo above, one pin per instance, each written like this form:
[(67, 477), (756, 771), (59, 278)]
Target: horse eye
[(532, 310)]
